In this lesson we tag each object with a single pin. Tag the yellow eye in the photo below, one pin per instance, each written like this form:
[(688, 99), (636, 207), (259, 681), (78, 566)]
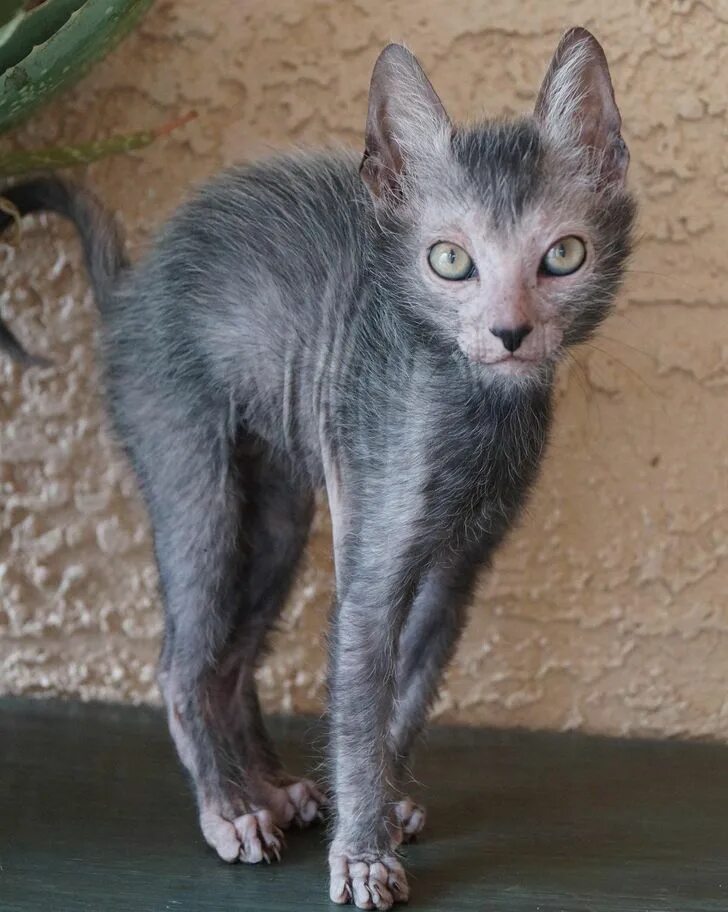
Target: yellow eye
[(566, 256), (451, 262)]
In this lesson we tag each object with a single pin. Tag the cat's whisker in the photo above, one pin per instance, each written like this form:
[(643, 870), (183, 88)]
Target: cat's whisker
[(622, 316), (581, 376), (668, 277), (637, 351), (626, 367)]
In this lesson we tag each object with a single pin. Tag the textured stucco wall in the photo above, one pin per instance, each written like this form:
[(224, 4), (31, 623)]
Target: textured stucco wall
[(608, 608)]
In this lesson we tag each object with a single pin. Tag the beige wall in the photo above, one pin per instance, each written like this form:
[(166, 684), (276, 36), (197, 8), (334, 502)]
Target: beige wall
[(607, 610)]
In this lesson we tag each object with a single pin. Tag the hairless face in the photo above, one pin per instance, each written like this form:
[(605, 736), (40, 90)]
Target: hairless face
[(513, 235)]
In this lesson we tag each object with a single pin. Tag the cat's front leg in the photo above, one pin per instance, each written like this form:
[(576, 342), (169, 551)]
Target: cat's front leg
[(427, 642), (364, 868), (378, 565)]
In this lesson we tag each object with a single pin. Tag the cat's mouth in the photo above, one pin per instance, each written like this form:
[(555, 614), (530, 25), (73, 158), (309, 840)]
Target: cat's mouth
[(509, 363), (510, 358), (514, 364)]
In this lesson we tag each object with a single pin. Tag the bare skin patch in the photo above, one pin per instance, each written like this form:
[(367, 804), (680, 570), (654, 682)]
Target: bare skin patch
[(367, 881)]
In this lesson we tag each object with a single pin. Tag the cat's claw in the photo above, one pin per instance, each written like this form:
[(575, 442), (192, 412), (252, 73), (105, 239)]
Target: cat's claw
[(410, 819), (257, 836), (368, 881), (260, 838), (251, 838)]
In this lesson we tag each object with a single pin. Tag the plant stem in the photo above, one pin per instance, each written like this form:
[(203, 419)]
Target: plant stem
[(15, 164)]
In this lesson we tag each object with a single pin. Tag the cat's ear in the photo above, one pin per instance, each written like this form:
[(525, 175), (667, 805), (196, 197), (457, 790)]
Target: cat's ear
[(576, 104), (405, 120)]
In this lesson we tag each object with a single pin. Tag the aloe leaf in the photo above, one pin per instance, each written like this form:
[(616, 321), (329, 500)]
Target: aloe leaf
[(89, 32), (35, 28), (8, 9), (15, 164)]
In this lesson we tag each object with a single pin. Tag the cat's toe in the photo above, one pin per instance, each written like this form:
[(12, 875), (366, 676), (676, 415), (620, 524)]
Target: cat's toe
[(220, 834), (250, 838), (369, 881), (260, 838), (308, 800), (410, 818), (294, 801)]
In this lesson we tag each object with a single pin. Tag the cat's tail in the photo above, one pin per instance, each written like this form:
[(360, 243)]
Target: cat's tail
[(102, 242)]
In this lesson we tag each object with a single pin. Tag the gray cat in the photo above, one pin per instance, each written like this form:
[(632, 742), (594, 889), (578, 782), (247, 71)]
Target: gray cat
[(387, 328)]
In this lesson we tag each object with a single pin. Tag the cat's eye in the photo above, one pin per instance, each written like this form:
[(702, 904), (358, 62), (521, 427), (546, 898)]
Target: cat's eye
[(566, 256), (451, 262)]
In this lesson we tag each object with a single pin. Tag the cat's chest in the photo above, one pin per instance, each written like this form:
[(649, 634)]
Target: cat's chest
[(485, 455)]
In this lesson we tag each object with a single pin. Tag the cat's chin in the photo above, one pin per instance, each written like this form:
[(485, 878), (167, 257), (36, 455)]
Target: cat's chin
[(512, 365), (513, 372)]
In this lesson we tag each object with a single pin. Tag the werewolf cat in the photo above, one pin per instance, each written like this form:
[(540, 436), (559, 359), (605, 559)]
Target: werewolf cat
[(387, 328)]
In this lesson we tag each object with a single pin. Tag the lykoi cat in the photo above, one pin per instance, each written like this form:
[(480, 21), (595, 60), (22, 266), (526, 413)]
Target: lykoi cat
[(385, 328)]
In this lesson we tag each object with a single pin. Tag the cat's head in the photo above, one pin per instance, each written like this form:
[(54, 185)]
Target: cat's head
[(509, 238)]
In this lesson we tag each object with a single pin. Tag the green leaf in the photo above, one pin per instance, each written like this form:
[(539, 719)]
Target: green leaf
[(8, 9), (35, 28), (86, 34)]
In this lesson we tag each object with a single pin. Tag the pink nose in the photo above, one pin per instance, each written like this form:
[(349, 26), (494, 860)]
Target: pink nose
[(511, 338)]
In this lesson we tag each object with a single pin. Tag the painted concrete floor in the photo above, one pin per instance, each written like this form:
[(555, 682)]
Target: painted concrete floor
[(95, 816)]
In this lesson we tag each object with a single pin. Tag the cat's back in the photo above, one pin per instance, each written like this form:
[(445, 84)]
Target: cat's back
[(293, 220), (248, 277), (255, 251), (258, 243)]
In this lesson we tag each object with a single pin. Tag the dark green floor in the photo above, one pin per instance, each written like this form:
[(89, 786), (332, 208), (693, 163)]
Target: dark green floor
[(95, 815)]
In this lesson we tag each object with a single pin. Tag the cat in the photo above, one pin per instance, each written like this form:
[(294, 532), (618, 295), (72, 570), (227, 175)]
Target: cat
[(387, 328)]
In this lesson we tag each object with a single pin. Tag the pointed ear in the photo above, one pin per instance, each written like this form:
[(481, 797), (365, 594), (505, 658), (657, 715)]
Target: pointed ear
[(576, 104), (405, 116)]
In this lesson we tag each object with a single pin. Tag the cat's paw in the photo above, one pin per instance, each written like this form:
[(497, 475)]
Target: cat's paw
[(250, 838), (370, 881), (297, 801), (308, 800), (410, 819)]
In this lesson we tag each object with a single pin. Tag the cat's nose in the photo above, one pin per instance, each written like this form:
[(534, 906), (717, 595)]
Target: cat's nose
[(511, 338)]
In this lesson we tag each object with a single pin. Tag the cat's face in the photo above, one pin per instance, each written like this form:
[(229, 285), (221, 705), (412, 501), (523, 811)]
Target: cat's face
[(509, 239), (514, 257)]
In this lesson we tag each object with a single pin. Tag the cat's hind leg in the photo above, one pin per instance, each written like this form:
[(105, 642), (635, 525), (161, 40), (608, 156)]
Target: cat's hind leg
[(228, 533), (278, 521)]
